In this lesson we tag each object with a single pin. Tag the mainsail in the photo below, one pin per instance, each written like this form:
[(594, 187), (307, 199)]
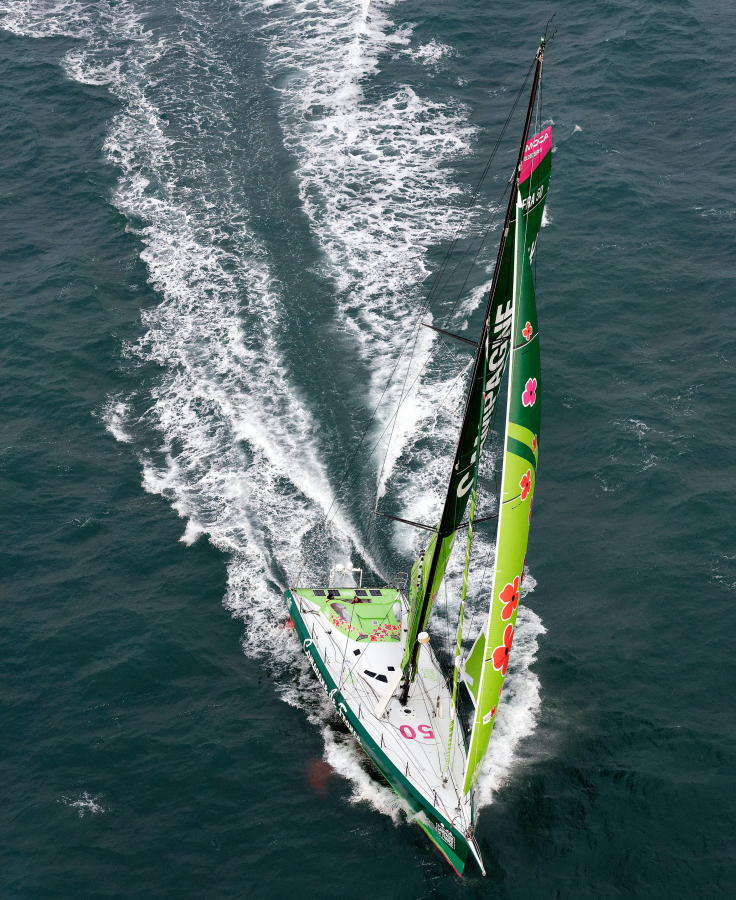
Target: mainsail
[(490, 361), (485, 670)]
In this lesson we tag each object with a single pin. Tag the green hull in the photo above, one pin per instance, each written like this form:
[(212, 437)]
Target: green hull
[(449, 841)]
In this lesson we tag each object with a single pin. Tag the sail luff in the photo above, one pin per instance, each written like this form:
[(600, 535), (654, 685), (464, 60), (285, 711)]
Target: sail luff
[(459, 637), (488, 368)]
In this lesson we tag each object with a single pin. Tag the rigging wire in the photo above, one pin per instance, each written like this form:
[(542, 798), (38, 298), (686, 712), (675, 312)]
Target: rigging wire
[(395, 419), (446, 648), (437, 410), (418, 376), (401, 403), (492, 219), (435, 287)]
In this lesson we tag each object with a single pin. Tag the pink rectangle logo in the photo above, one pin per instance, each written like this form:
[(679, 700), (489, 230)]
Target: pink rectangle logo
[(535, 151)]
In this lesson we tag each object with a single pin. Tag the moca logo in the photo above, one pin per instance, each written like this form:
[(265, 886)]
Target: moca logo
[(537, 141)]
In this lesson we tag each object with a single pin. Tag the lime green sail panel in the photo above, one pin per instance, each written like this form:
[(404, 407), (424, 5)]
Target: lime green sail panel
[(473, 667), (486, 667)]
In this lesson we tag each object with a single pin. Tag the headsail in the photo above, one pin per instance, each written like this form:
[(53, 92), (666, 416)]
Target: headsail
[(485, 669)]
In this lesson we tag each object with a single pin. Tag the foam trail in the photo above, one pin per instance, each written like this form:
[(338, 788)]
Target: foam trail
[(346, 758), (114, 415), (519, 708), (374, 180), (45, 19), (86, 803), (238, 455)]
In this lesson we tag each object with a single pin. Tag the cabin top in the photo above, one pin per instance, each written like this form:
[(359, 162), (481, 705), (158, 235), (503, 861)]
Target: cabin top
[(362, 614)]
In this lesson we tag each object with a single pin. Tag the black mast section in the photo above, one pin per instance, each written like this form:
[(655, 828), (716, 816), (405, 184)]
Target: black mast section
[(443, 529)]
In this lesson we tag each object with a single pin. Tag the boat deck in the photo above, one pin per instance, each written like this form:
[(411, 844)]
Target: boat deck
[(360, 636)]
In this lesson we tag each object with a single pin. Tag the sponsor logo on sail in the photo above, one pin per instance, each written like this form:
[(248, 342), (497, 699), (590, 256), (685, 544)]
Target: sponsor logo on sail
[(496, 364), (534, 152)]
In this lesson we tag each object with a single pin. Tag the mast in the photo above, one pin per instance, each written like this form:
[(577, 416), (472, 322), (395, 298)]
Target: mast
[(447, 527)]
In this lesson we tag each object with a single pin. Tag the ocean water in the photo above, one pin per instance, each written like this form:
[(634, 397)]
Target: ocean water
[(220, 226)]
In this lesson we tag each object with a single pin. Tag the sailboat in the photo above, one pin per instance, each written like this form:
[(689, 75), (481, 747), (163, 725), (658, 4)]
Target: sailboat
[(369, 647)]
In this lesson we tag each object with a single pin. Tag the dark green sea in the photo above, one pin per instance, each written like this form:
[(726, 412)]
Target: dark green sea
[(219, 223)]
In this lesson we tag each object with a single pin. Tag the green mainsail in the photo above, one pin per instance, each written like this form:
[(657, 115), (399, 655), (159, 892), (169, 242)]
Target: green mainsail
[(485, 385), (485, 669)]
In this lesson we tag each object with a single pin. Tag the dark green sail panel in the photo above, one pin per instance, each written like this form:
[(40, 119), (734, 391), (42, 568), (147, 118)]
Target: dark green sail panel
[(489, 368)]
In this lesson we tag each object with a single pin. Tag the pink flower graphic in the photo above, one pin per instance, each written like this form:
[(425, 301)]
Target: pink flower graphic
[(529, 397), (534, 443), (530, 510), (526, 484), (501, 654), (527, 331), (510, 596)]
